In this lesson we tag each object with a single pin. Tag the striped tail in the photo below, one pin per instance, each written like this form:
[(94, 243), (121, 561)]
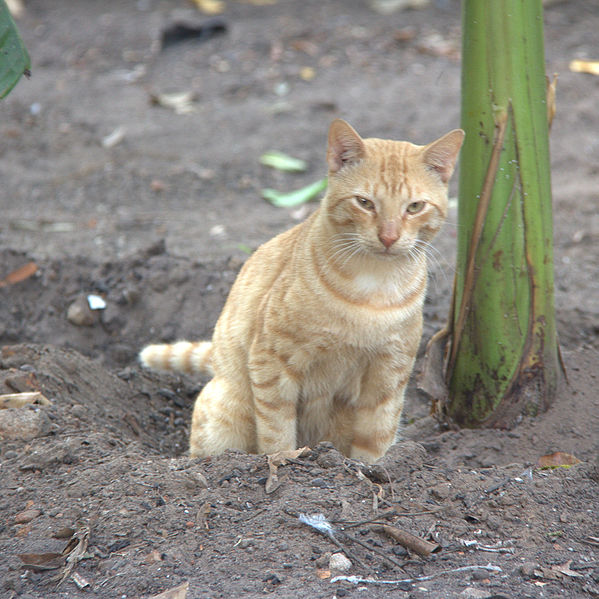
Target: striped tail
[(183, 356)]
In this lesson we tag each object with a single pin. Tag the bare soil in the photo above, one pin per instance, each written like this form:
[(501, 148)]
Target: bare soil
[(159, 223)]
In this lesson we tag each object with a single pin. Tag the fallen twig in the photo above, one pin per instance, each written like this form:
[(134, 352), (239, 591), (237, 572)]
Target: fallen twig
[(490, 548), (360, 580), (408, 540), (375, 550)]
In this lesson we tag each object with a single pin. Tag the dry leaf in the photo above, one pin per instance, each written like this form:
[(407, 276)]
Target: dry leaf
[(19, 400), (557, 571), (585, 66), (559, 459), (323, 574), (565, 570), (42, 561), (178, 592), (280, 459), (20, 274), (74, 551), (210, 7)]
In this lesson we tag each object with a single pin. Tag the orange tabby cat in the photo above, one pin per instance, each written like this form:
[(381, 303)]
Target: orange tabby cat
[(318, 336)]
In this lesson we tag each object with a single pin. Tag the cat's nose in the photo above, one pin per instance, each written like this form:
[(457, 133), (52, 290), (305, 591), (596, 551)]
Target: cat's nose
[(389, 234)]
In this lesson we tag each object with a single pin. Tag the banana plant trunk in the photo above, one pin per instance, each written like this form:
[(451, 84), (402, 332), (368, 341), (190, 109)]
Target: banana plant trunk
[(502, 357)]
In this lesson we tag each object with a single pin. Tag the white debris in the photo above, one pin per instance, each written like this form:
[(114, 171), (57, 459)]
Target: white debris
[(96, 302), (114, 138)]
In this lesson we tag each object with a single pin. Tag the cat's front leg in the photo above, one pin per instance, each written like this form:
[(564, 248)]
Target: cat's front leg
[(379, 407), (275, 394)]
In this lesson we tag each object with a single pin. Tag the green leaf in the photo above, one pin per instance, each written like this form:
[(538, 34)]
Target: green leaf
[(283, 162), (294, 198), (14, 59)]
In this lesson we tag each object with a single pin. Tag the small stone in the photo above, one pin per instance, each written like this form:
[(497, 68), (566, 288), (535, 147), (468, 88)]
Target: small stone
[(157, 185), (272, 579), (339, 562), (441, 491), (195, 480), (493, 522), (80, 314), (399, 550), (319, 482), (323, 560), (473, 593), (246, 543), (23, 424), (329, 457), (27, 515), (479, 575), (527, 569)]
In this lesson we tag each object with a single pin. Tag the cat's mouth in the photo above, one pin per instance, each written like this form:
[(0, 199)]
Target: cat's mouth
[(388, 255), (390, 252)]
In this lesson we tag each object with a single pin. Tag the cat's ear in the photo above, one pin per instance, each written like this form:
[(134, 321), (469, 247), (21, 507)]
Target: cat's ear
[(442, 155), (345, 146)]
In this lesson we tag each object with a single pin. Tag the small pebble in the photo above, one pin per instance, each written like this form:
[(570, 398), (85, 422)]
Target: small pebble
[(473, 593), (479, 575), (323, 560), (441, 491), (527, 569), (339, 562), (80, 314), (399, 550), (27, 516)]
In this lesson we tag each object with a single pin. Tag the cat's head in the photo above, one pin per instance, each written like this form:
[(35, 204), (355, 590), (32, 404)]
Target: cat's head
[(388, 196)]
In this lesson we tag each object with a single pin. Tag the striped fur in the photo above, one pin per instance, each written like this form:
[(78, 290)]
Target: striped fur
[(183, 356), (318, 337)]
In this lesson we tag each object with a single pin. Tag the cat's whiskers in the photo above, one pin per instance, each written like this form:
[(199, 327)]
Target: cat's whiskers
[(432, 254), (358, 249), (345, 246)]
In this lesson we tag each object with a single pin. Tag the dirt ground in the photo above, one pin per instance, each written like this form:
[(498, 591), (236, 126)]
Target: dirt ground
[(108, 193)]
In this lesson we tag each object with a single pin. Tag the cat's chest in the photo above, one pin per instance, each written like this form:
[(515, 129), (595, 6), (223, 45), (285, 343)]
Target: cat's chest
[(369, 284)]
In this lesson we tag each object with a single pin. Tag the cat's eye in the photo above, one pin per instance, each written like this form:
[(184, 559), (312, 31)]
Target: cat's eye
[(366, 203), (415, 207)]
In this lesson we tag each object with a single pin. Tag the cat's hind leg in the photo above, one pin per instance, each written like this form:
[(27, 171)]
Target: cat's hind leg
[(222, 419)]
